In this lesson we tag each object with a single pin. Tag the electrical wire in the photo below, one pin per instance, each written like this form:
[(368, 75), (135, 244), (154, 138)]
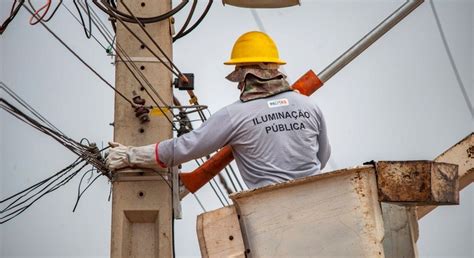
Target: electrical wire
[(23, 103), (170, 68), (133, 69), (102, 24), (178, 73), (241, 188), (224, 183), (37, 15), (165, 180), (145, 45), (31, 194), (212, 186), (188, 19), (70, 144), (42, 17), (25, 197), (97, 25), (185, 124), (230, 167), (82, 60), (224, 197), (75, 147), (77, 19), (227, 168), (114, 12), (122, 55), (90, 153), (60, 137), (203, 117), (112, 3), (28, 190), (88, 32), (199, 202), (185, 120), (17, 4), (112, 21), (451, 59), (79, 192), (215, 191), (201, 18), (17, 203)]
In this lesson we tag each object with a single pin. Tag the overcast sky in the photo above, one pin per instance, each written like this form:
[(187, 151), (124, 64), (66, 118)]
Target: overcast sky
[(400, 100)]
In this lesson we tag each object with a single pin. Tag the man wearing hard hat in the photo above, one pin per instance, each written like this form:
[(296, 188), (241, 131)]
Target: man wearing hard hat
[(276, 134)]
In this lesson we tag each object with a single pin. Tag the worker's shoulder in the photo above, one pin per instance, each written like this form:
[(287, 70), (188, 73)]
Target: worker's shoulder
[(282, 99), (292, 98), (287, 101)]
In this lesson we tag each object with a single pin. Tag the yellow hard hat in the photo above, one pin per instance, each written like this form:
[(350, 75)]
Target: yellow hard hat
[(254, 47)]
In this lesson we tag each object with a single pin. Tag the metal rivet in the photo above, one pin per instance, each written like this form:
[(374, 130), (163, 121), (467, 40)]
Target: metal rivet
[(141, 194), (142, 67), (143, 4), (231, 238)]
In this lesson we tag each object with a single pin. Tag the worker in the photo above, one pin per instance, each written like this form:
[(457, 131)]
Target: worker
[(276, 134)]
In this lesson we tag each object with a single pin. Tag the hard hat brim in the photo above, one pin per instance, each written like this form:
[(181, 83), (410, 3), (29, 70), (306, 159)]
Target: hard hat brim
[(254, 60)]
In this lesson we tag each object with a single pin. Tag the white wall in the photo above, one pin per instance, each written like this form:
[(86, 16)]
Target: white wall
[(399, 100)]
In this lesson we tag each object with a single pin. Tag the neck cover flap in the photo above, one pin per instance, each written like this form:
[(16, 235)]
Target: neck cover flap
[(257, 83)]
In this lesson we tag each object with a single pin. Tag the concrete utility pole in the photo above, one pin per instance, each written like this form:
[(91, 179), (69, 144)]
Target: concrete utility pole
[(141, 205)]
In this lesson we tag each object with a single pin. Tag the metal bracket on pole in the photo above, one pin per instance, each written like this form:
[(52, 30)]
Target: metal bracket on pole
[(140, 174), (176, 193), (141, 59)]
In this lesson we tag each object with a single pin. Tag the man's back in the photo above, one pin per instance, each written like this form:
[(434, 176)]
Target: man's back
[(278, 138)]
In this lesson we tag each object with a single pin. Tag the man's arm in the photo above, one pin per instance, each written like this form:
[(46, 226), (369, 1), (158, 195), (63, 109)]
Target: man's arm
[(210, 136), (214, 133)]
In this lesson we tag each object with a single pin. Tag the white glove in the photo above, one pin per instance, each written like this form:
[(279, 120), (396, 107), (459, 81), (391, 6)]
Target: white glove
[(121, 156)]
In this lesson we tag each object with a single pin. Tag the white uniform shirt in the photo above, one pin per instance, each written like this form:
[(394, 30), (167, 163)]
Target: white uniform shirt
[(274, 139)]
